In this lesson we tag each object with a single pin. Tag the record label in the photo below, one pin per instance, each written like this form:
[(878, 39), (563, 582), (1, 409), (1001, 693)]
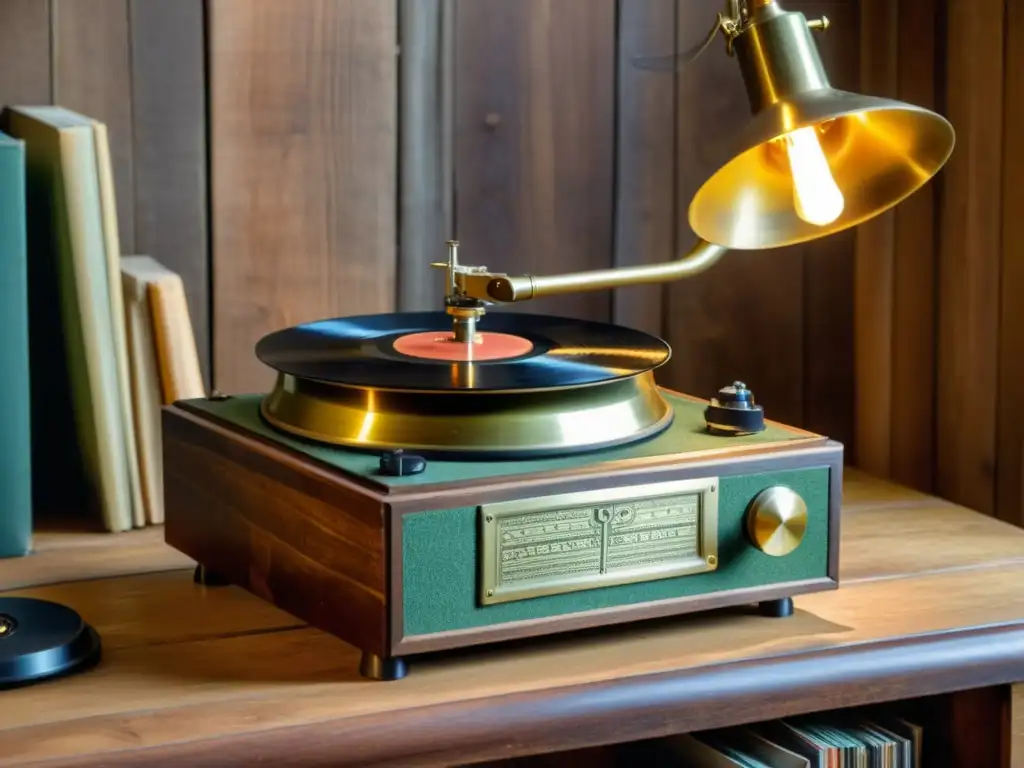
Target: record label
[(434, 345)]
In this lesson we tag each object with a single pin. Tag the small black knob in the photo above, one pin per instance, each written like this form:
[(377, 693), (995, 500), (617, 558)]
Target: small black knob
[(398, 463), (733, 412)]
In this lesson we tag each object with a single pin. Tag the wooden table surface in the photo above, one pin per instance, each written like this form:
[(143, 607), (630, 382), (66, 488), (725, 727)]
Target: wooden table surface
[(931, 600)]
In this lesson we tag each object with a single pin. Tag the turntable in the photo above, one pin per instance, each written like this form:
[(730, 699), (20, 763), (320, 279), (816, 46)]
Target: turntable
[(427, 481)]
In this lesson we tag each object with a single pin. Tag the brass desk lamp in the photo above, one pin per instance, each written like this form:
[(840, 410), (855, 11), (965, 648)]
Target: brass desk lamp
[(813, 161)]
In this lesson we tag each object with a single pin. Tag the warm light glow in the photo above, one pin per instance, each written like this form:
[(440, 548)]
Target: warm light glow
[(816, 195)]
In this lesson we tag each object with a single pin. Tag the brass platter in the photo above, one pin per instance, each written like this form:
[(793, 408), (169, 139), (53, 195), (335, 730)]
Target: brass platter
[(482, 425), (581, 386)]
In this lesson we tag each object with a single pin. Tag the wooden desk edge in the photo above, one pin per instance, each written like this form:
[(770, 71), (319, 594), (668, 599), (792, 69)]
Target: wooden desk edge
[(626, 709)]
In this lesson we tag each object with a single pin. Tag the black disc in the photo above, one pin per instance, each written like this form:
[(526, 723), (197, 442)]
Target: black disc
[(359, 351), (40, 640)]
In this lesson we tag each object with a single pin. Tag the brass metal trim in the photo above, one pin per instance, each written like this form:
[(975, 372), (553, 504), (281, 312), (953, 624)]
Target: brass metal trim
[(528, 422), (577, 541)]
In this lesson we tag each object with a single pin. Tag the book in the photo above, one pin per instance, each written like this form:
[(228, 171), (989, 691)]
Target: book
[(850, 739), (112, 240), (15, 419), (138, 272), (65, 206), (180, 375)]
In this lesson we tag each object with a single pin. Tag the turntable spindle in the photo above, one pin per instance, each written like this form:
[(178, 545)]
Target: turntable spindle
[(465, 311), (464, 325)]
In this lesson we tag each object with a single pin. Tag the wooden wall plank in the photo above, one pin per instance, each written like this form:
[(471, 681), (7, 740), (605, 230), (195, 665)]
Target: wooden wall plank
[(969, 262), (743, 319), (914, 269), (169, 118), (534, 132), (92, 75), (25, 71), (1010, 416), (645, 203), (426, 30), (896, 266), (873, 273), (304, 130)]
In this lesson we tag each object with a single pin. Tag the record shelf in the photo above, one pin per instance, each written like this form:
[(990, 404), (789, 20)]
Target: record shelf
[(929, 616)]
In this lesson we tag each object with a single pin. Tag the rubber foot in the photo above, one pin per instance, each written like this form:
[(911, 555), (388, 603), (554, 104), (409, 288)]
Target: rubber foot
[(202, 575), (374, 667), (776, 609)]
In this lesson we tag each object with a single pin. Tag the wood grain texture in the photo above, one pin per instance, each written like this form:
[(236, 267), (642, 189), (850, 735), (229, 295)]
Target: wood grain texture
[(168, 71), (199, 677), (291, 535), (132, 609), (303, 132), (1017, 726), (969, 256), (645, 200), (914, 268), (873, 273), (229, 698), (426, 205), (863, 490), (67, 554), (977, 730), (92, 75), (1009, 501), (534, 137), (25, 60), (982, 540), (896, 265)]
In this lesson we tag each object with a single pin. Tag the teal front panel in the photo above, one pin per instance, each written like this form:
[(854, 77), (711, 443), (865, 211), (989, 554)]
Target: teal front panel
[(439, 561)]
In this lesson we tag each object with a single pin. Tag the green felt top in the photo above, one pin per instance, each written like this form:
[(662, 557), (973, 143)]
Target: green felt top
[(686, 434)]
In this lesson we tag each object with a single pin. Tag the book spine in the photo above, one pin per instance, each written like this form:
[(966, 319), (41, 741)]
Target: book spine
[(15, 419)]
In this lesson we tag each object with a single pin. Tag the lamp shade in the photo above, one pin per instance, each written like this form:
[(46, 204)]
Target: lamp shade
[(813, 160)]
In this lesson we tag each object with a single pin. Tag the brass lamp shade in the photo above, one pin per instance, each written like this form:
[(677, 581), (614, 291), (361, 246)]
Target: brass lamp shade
[(879, 151)]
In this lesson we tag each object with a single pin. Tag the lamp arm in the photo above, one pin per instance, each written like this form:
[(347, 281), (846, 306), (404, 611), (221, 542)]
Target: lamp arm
[(477, 283)]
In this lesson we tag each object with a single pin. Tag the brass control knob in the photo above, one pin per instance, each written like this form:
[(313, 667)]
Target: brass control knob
[(777, 520)]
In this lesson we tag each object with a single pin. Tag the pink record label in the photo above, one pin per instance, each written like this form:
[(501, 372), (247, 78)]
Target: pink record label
[(441, 345)]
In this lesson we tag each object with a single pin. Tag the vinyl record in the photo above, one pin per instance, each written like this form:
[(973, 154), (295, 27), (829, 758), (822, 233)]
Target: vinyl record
[(416, 351)]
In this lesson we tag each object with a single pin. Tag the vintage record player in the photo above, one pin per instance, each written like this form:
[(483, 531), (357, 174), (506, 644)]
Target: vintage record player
[(426, 481)]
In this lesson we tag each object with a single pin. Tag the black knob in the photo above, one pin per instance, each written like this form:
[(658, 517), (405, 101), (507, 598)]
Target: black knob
[(734, 412), (398, 463)]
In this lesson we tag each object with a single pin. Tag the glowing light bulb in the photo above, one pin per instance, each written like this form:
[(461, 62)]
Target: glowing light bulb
[(816, 196)]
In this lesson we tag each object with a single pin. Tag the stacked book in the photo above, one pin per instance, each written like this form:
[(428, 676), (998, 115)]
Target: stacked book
[(109, 339), (879, 736), (832, 740)]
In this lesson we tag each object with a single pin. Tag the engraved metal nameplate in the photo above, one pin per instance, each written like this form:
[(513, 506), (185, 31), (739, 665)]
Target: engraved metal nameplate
[(577, 541)]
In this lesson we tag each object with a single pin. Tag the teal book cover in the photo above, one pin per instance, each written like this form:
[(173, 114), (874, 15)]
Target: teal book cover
[(15, 414)]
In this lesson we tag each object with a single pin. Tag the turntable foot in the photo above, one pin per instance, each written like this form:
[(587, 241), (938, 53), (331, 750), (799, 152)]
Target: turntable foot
[(376, 668), (776, 609), (208, 578)]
